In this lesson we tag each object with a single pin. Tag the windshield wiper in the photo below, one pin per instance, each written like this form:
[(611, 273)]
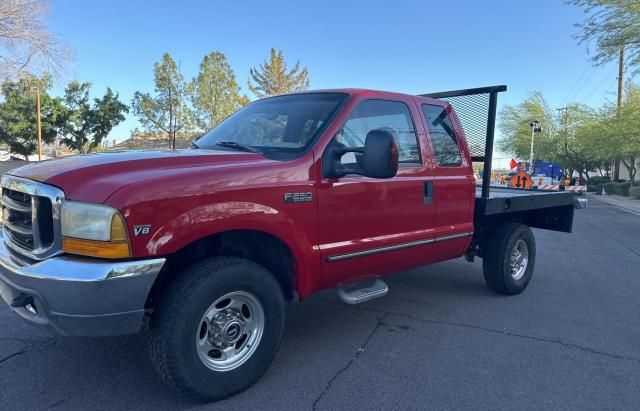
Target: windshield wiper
[(237, 146)]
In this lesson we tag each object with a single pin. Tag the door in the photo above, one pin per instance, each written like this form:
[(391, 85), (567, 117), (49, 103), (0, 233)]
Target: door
[(373, 226), (453, 182)]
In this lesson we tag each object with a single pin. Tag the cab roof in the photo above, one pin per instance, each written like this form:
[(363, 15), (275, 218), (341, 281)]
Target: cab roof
[(369, 93)]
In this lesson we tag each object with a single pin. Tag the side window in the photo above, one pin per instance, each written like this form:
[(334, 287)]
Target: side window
[(443, 138), (393, 116)]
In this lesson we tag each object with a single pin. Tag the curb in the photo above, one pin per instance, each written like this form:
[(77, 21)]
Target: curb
[(616, 204)]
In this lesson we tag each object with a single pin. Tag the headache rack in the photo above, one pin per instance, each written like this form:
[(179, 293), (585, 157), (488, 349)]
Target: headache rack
[(476, 109)]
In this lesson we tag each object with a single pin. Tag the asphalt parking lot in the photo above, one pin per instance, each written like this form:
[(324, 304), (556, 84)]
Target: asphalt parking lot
[(440, 339)]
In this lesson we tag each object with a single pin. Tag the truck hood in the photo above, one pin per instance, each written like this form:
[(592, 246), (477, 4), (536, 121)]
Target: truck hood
[(94, 177)]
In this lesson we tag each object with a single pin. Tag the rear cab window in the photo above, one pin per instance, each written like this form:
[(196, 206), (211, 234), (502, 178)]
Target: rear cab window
[(446, 148)]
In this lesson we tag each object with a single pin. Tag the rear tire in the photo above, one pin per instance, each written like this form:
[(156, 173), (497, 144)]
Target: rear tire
[(217, 327), (509, 258)]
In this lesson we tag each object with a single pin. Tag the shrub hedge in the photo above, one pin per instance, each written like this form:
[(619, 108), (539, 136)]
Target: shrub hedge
[(595, 184), (635, 192), (624, 189), (611, 188), (620, 189)]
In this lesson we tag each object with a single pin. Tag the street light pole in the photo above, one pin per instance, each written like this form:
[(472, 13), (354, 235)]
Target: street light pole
[(535, 128), (531, 153)]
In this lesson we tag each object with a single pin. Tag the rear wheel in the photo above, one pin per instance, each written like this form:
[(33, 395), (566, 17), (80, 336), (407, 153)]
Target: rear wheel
[(217, 328), (509, 258)]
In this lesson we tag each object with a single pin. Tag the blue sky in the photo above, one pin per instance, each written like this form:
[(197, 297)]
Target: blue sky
[(405, 46)]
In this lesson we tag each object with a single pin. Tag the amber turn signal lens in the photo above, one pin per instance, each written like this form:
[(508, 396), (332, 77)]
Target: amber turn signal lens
[(118, 229), (100, 249)]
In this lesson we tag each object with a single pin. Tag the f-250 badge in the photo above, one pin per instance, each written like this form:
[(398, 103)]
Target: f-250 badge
[(141, 229), (298, 197)]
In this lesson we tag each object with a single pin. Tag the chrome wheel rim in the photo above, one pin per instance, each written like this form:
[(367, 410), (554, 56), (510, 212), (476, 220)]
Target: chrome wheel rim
[(519, 259), (230, 330)]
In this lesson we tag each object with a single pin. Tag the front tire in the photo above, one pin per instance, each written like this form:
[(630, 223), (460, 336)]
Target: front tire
[(509, 258), (217, 327)]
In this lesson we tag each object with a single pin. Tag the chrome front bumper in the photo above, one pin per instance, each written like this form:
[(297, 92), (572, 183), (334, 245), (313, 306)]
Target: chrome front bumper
[(78, 296)]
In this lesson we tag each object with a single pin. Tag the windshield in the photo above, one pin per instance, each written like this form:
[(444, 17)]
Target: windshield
[(279, 127)]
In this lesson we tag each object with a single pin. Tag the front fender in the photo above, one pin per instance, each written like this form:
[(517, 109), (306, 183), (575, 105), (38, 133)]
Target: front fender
[(202, 221), (205, 220)]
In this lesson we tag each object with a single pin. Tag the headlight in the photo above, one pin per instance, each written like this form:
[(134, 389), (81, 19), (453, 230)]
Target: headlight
[(94, 230)]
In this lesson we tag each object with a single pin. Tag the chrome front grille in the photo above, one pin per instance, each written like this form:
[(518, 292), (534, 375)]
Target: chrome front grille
[(17, 217), (31, 217)]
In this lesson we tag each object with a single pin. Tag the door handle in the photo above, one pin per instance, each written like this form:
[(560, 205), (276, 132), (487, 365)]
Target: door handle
[(428, 192)]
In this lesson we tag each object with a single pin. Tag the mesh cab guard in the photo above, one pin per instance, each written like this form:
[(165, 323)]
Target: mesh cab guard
[(476, 109)]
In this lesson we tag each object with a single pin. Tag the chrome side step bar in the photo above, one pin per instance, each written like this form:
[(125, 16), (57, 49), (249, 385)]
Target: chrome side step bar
[(362, 291)]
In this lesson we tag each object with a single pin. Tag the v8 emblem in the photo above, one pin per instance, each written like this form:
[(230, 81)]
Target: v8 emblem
[(141, 229)]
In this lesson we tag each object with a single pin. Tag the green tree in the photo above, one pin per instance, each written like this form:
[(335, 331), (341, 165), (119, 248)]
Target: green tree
[(612, 25), (578, 129), (215, 94), (565, 137), (167, 111), (516, 131), (18, 118), (628, 130), (616, 134), (83, 125), (273, 77)]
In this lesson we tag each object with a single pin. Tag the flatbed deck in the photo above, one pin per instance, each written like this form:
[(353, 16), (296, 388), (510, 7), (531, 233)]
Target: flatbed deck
[(551, 210), (509, 200)]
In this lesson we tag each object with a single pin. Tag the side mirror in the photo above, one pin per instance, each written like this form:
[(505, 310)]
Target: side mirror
[(380, 154), (193, 143), (379, 157)]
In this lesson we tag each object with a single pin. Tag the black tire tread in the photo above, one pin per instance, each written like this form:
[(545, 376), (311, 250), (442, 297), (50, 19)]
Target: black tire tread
[(161, 333), (498, 247)]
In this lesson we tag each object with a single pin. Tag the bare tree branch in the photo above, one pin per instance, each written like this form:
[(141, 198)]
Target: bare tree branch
[(26, 43)]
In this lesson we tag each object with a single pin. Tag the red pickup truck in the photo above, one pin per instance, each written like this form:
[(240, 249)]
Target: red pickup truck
[(289, 196)]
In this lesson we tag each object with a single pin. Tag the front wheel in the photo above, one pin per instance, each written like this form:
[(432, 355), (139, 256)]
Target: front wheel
[(217, 328), (509, 258)]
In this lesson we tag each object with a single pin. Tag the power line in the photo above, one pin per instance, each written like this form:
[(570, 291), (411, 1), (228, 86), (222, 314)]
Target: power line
[(576, 83), (587, 81), (608, 77)]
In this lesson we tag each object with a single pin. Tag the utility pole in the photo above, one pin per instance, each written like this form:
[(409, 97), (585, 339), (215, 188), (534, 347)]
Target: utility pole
[(565, 119), (565, 122), (616, 166), (39, 124), (30, 86)]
